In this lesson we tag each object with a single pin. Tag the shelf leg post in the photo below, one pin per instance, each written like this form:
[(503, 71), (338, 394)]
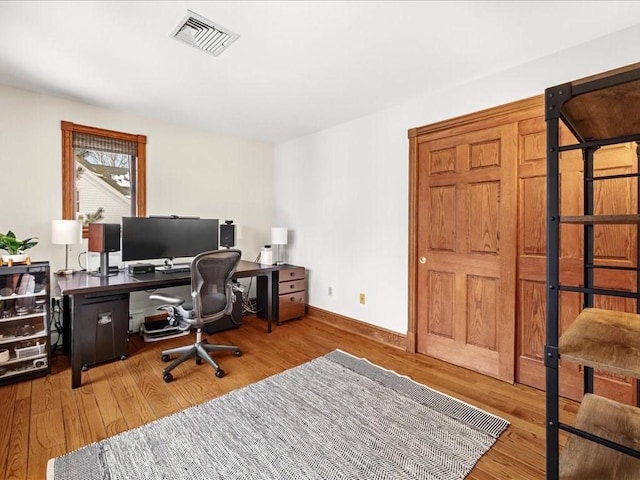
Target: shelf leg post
[(553, 100)]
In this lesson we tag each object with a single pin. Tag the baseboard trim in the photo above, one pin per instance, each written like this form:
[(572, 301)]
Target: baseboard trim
[(357, 327), (342, 322)]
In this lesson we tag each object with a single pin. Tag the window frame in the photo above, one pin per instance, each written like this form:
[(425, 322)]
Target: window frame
[(69, 168)]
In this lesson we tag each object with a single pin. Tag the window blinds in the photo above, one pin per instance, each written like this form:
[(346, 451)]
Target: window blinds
[(104, 144)]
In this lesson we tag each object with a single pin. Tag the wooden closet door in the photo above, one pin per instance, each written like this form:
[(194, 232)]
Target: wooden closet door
[(612, 197), (466, 244), (477, 276)]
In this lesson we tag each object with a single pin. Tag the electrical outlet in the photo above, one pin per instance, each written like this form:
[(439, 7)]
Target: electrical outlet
[(330, 291), (362, 298)]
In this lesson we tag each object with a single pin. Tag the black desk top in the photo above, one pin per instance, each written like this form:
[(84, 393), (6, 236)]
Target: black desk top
[(83, 282)]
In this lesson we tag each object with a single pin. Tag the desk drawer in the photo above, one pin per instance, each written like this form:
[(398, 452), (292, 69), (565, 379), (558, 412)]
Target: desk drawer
[(285, 288), (291, 306), (288, 274)]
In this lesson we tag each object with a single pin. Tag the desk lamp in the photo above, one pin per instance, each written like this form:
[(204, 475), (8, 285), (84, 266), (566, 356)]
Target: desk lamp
[(279, 241), (66, 232)]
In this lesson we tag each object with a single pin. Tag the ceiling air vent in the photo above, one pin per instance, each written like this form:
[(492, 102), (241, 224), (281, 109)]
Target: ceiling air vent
[(203, 34)]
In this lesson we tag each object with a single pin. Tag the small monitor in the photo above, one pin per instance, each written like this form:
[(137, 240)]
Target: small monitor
[(145, 238)]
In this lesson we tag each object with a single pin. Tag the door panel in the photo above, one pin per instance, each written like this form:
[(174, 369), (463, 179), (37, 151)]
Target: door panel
[(466, 295)]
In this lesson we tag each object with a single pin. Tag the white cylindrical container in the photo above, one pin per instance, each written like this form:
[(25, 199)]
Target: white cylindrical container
[(266, 255)]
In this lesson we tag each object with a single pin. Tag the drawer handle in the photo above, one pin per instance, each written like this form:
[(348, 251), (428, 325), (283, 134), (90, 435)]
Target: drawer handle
[(291, 286), (291, 274)]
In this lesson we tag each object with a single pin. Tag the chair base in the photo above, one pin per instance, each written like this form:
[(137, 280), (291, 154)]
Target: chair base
[(200, 351)]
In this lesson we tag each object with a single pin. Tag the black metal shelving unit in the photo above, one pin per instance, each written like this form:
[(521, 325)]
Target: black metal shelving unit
[(599, 110), (24, 322)]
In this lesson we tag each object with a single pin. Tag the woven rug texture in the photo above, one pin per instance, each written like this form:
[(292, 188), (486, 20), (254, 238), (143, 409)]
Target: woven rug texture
[(334, 417)]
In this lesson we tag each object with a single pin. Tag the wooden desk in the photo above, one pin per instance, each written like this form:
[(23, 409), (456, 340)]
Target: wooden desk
[(83, 289)]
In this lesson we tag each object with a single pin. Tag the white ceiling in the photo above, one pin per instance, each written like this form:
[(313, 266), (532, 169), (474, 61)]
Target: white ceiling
[(298, 66)]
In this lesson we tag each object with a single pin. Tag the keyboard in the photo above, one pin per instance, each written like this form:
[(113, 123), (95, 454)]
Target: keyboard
[(175, 269)]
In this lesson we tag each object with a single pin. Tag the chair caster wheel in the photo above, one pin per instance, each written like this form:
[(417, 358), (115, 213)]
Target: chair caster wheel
[(198, 361), (84, 368), (220, 373), (123, 357), (237, 353), (165, 358), (167, 377)]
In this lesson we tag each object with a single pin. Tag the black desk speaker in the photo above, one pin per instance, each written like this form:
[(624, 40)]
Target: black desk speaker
[(227, 235), (104, 237)]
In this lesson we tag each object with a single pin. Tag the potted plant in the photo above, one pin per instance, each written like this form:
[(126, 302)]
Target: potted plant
[(14, 247)]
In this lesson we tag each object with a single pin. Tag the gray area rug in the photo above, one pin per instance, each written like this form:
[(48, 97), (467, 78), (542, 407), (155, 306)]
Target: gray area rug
[(335, 417)]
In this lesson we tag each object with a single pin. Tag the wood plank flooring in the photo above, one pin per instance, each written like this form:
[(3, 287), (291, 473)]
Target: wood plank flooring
[(45, 418)]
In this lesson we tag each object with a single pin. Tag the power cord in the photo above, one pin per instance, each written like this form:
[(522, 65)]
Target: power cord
[(55, 323), (80, 263), (248, 306)]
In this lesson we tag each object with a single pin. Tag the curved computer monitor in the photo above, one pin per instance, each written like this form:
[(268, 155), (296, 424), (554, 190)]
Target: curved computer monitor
[(146, 238)]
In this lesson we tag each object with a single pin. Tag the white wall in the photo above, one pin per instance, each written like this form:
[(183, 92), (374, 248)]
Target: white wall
[(343, 192), (189, 172)]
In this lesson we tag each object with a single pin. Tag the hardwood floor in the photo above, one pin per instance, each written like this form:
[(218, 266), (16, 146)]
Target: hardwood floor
[(45, 418)]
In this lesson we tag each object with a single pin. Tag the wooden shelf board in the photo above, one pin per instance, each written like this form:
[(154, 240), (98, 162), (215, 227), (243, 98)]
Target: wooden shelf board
[(582, 459), (604, 339), (601, 219), (606, 113)]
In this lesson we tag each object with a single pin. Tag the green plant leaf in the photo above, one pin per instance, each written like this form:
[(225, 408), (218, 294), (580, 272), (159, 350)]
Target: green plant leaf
[(13, 246)]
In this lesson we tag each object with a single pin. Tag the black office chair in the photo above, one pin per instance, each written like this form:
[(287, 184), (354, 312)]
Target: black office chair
[(212, 299)]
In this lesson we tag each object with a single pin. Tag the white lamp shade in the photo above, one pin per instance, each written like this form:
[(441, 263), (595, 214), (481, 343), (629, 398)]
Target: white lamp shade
[(278, 236), (66, 232)]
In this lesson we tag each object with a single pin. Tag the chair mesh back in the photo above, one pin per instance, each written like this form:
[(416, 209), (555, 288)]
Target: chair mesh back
[(211, 274)]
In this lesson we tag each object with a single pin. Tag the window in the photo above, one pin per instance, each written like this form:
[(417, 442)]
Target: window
[(103, 174)]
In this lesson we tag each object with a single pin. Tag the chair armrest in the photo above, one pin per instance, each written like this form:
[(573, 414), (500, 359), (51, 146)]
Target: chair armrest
[(170, 299)]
